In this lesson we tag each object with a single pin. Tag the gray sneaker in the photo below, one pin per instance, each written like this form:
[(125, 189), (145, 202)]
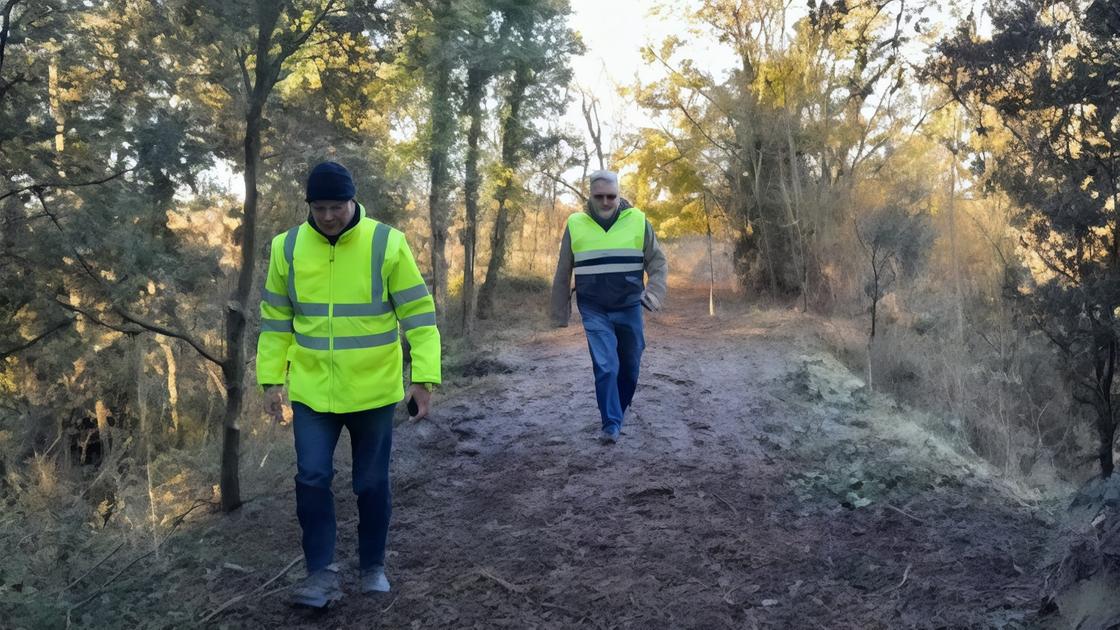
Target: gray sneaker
[(373, 580), (608, 436), (318, 589)]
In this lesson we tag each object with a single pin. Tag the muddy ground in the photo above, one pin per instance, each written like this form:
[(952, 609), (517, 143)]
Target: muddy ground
[(757, 485)]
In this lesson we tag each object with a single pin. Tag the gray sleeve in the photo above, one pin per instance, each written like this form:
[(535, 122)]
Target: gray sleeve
[(560, 306), (657, 270)]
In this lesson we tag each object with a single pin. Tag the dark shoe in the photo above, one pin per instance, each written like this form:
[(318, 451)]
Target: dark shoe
[(373, 580), (318, 589)]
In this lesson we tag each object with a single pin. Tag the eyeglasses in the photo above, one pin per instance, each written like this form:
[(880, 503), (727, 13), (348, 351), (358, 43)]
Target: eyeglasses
[(605, 197)]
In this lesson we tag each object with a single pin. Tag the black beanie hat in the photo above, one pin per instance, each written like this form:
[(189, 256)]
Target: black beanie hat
[(330, 181)]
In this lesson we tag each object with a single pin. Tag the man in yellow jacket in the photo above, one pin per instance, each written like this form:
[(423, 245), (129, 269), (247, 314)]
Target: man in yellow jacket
[(340, 288)]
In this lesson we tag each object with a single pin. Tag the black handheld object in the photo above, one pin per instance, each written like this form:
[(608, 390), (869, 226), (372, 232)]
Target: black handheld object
[(413, 408)]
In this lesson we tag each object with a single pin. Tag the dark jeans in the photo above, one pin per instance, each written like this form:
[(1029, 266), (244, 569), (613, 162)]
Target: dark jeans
[(616, 341), (371, 440)]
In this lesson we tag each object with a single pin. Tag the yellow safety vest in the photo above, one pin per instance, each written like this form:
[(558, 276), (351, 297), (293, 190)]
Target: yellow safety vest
[(609, 264)]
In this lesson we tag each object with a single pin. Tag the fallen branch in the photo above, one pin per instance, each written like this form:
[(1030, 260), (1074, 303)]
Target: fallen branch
[(174, 527), (53, 444), (727, 503), (276, 590), (220, 609), (575, 613), (86, 574), (513, 588), (905, 576), (234, 600), (905, 513)]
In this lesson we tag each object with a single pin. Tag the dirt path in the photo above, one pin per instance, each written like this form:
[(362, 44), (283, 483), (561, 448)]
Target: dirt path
[(754, 487)]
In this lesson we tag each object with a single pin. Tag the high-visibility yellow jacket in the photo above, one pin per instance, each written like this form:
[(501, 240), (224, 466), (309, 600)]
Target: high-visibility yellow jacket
[(330, 316)]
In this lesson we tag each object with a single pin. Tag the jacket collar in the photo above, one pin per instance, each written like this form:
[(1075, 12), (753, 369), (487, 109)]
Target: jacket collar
[(606, 224)]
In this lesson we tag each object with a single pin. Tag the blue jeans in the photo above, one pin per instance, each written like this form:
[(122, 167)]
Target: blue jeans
[(371, 440), (616, 341)]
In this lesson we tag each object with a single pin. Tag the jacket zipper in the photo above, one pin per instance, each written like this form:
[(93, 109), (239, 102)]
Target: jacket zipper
[(330, 332)]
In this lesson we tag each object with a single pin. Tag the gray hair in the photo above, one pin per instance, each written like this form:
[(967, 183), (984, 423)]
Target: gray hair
[(604, 175)]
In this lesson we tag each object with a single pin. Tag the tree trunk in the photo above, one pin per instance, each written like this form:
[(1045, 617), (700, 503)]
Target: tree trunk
[(711, 262), (104, 432), (512, 134), (498, 240), (266, 74), (476, 84), (875, 292), (539, 224), (1106, 434), (792, 234), (443, 128), (1107, 438), (172, 385), (760, 223), (874, 314), (797, 216), (1106, 417), (233, 367), (56, 110), (958, 296), (146, 432)]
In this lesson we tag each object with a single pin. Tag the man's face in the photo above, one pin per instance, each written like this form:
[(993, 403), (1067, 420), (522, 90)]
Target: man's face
[(332, 216), (604, 197)]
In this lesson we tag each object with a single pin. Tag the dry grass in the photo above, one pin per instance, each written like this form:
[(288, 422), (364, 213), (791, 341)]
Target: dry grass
[(1005, 401)]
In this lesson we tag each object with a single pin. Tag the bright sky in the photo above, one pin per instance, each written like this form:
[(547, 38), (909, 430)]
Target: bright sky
[(615, 31)]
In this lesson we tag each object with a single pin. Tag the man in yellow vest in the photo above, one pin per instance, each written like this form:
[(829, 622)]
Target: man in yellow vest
[(610, 247), (340, 287)]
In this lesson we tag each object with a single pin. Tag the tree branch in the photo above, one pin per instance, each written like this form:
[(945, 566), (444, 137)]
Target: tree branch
[(120, 310), (27, 344), (128, 330), (1063, 346), (47, 185), (673, 70), (703, 132), (167, 332), (242, 57), (140, 325), (288, 50), (81, 259), (1052, 265), (565, 184)]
